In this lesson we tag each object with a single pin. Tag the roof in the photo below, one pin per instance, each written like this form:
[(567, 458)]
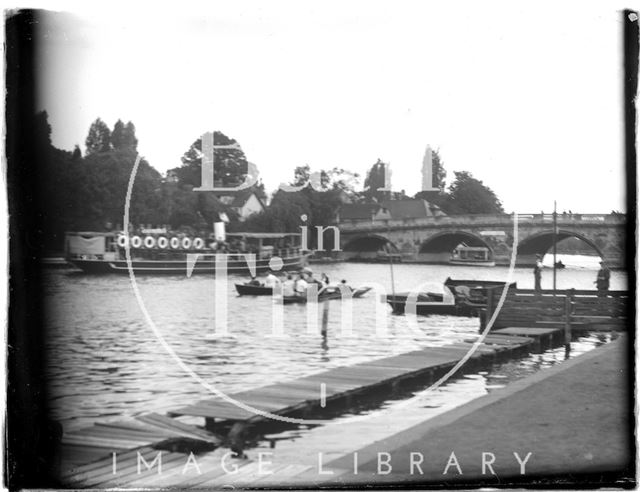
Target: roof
[(358, 211), (398, 209), (407, 209), (412, 208), (240, 197)]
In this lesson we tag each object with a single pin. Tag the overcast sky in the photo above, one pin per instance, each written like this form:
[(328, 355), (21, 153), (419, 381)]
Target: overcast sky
[(526, 96)]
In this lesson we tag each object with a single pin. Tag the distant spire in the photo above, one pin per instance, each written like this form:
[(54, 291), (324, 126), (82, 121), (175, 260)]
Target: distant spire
[(387, 176), (427, 171)]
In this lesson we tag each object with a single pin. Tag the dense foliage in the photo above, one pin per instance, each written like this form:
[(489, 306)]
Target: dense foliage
[(88, 192)]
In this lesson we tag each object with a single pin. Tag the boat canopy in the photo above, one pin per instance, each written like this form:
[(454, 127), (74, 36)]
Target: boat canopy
[(263, 235)]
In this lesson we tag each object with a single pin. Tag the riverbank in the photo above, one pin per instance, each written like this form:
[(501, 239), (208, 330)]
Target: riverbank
[(570, 422)]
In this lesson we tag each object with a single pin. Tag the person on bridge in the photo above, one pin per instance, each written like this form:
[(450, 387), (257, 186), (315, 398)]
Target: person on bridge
[(537, 273), (602, 281)]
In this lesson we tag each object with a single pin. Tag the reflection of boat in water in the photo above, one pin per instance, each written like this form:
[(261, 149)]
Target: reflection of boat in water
[(253, 290), (380, 257), (162, 252), (327, 295), (471, 256), (461, 298)]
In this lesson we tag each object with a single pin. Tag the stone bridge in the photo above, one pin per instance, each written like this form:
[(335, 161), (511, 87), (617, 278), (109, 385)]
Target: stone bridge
[(432, 239)]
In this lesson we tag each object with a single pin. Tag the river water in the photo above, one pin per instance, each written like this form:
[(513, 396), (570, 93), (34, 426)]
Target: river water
[(104, 361)]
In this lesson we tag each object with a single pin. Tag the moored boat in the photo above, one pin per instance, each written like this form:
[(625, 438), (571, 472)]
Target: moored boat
[(466, 298), (162, 252), (471, 256)]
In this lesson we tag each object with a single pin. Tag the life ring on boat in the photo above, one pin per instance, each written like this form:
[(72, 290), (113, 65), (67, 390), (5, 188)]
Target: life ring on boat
[(198, 243), (149, 242), (122, 241), (186, 243), (163, 242), (175, 243), (136, 242)]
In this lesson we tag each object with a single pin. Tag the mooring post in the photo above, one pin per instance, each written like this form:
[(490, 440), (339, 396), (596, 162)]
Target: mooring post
[(325, 318), (489, 311), (568, 301)]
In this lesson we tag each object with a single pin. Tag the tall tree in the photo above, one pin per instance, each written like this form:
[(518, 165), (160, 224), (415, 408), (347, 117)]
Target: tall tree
[(77, 153), (342, 179), (230, 165), (99, 138), (42, 130), (439, 172), (468, 195), (117, 135), (375, 180), (130, 141)]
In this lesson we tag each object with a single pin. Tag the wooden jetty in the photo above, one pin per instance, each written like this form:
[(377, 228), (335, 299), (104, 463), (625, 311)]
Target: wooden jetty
[(572, 309), (87, 454)]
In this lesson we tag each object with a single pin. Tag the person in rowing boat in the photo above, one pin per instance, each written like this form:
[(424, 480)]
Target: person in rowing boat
[(288, 287), (271, 280), (343, 283), (254, 281), (301, 286), (311, 280)]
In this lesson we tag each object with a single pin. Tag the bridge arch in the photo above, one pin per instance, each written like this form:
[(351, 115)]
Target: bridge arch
[(438, 248), (368, 245), (445, 242), (542, 242)]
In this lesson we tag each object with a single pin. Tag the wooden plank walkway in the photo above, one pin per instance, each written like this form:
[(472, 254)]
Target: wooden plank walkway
[(146, 433)]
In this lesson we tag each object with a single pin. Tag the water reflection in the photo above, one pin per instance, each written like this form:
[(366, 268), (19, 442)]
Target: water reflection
[(103, 361), (294, 444)]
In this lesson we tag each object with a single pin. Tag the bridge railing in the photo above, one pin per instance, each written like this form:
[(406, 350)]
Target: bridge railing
[(480, 219)]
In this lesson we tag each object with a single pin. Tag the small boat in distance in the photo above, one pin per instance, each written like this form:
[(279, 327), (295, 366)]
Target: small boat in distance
[(159, 251), (471, 256)]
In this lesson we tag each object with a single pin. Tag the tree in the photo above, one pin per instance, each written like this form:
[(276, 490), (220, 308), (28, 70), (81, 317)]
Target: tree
[(117, 135), (342, 179), (123, 136), (230, 165), (42, 130), (439, 172), (130, 141), (376, 179), (99, 138), (468, 195), (77, 153)]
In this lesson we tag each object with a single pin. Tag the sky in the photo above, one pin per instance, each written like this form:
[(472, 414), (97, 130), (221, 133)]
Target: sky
[(527, 96)]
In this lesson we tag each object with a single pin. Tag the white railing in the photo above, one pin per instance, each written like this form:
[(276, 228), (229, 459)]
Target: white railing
[(481, 219)]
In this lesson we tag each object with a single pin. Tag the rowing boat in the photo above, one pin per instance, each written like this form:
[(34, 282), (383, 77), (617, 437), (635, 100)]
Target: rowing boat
[(326, 296)]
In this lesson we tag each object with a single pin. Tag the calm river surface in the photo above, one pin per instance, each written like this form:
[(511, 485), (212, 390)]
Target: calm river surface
[(104, 361)]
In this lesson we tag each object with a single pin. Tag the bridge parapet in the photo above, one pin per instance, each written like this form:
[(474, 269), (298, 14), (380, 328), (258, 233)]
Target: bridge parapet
[(482, 220)]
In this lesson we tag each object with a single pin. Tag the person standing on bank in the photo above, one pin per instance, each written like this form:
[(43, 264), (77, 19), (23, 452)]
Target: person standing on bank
[(602, 281), (537, 273)]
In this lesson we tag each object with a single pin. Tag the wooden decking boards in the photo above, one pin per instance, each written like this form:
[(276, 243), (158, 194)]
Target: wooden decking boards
[(144, 434)]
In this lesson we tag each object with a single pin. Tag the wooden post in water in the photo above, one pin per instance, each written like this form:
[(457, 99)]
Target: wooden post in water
[(325, 318), (489, 310), (568, 302), (555, 240)]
